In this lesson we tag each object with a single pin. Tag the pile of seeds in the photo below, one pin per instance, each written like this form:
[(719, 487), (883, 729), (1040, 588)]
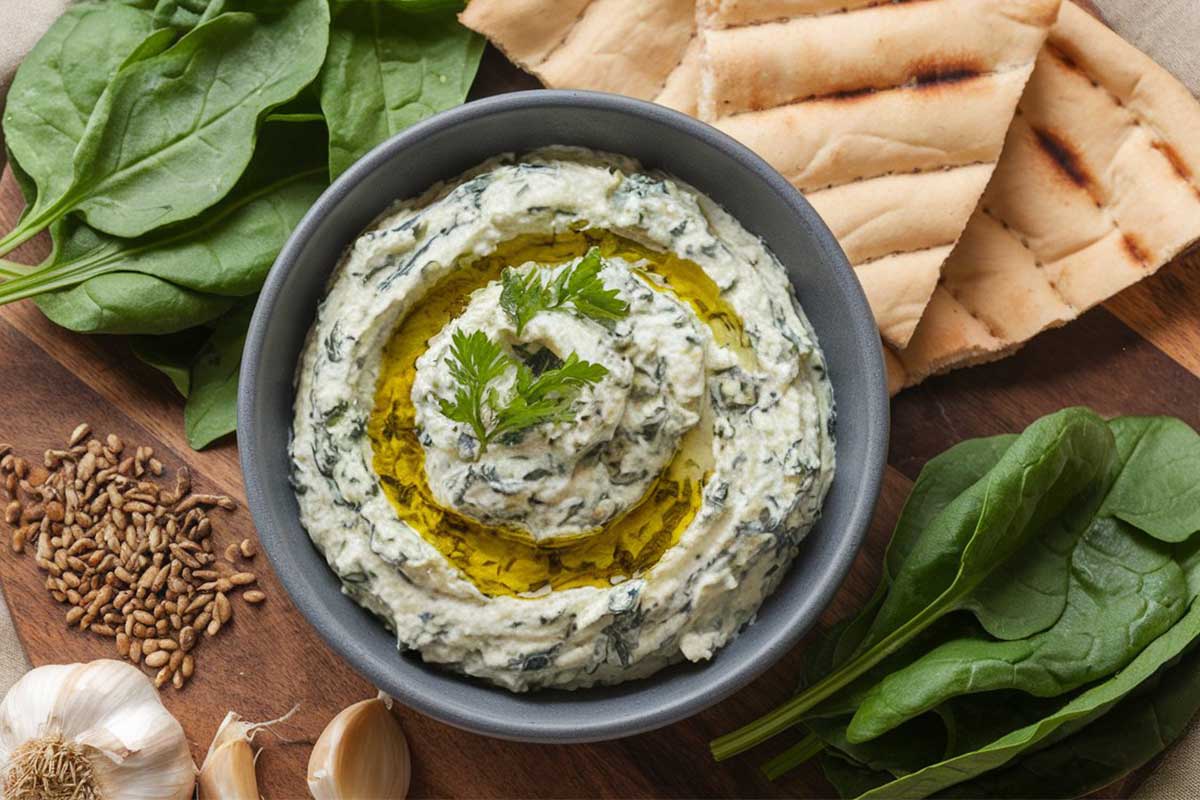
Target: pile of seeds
[(133, 558)]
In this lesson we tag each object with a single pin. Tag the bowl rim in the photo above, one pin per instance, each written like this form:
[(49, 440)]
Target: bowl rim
[(720, 682)]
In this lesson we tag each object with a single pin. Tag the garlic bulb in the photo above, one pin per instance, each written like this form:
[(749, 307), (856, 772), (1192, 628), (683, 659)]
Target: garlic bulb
[(362, 753), (94, 730)]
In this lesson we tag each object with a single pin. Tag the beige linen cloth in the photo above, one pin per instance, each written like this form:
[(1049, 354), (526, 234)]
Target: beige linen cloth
[(1168, 30)]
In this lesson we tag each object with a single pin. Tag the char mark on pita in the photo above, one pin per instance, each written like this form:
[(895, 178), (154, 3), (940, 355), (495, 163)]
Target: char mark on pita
[(1176, 161), (922, 75), (851, 94), (1057, 50), (1134, 248), (1064, 156), (947, 71)]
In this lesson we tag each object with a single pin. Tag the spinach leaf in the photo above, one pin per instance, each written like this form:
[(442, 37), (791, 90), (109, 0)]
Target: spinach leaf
[(975, 721), (1125, 590), (130, 302), (906, 749), (1036, 586), (911, 748), (1139, 728), (388, 68), (1056, 459), (58, 84), (119, 302), (957, 726), (941, 480), (172, 133), (185, 14), (1025, 723), (227, 251), (1153, 483), (914, 744), (211, 410), (1127, 582), (23, 180), (849, 778), (1113, 600), (1072, 717), (1157, 491), (172, 355)]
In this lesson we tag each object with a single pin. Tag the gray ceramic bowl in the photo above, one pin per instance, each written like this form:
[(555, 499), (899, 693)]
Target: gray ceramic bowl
[(441, 148)]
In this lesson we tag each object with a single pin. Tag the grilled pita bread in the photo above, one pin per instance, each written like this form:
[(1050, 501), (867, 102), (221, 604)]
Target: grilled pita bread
[(643, 49), (1098, 187), (891, 133)]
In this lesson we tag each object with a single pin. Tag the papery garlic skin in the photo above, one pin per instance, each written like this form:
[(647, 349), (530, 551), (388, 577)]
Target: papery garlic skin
[(362, 753), (136, 749)]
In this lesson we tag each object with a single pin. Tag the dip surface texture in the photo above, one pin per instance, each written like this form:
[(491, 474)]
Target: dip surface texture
[(650, 440)]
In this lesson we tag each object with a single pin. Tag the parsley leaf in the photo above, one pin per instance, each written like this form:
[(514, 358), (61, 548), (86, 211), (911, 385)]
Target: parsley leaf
[(476, 362), (524, 296)]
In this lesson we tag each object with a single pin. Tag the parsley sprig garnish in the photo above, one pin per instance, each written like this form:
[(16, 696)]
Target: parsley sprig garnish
[(524, 296), (476, 362)]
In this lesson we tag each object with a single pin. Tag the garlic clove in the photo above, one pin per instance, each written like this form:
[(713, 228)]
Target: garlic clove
[(29, 704), (228, 773), (228, 769), (361, 755), (96, 692), (233, 728), (96, 729)]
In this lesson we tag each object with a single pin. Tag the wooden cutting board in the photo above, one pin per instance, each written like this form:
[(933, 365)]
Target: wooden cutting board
[(1139, 354)]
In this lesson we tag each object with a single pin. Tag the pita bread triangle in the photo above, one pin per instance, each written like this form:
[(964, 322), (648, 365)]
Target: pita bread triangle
[(646, 49), (889, 116), (1098, 187)]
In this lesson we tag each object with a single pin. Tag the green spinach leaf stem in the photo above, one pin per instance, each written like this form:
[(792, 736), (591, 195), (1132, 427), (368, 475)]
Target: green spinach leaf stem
[(76, 271), (801, 752)]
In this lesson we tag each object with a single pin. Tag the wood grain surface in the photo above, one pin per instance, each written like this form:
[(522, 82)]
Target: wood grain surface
[(1138, 354)]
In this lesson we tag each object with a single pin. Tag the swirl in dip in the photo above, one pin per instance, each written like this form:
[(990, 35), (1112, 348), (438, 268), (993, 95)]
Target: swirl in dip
[(561, 421)]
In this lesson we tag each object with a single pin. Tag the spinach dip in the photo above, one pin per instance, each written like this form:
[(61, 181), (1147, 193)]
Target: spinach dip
[(561, 421)]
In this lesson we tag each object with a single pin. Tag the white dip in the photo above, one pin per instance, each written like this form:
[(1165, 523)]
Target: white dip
[(641, 522)]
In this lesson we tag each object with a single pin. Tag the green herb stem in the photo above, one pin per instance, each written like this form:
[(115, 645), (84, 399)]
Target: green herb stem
[(13, 270), (791, 712), (48, 279), (298, 116), (71, 273), (32, 225), (807, 748)]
